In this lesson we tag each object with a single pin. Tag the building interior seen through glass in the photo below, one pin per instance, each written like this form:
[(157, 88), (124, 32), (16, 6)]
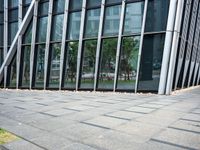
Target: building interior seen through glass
[(89, 45)]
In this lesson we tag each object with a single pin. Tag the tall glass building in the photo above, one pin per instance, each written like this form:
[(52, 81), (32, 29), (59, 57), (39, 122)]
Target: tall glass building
[(100, 45)]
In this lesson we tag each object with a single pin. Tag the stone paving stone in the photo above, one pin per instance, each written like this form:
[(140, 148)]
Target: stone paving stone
[(124, 115), (195, 117), (139, 129), (78, 146), (79, 131), (21, 145), (106, 122), (51, 141), (160, 102), (196, 111), (151, 105), (140, 109), (59, 112), (181, 138), (187, 125), (78, 107)]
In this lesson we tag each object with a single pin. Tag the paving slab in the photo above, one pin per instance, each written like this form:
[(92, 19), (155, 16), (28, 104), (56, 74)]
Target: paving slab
[(140, 109)]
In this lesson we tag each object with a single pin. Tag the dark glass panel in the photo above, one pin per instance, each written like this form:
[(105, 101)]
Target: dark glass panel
[(12, 30), (92, 23), (42, 29), (93, 3), (12, 3), (55, 65), (13, 15), (151, 61), (26, 50), (113, 1), (28, 35), (133, 18), (57, 28), (58, 6), (128, 63), (157, 13), (1, 56), (107, 63), (75, 4), (2, 5), (88, 64), (1, 18), (43, 9), (39, 73), (112, 18), (12, 73), (1, 35), (71, 64), (27, 2), (74, 25)]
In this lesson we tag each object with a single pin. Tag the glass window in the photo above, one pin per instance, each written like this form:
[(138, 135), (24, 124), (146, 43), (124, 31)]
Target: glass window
[(39, 73), (113, 1), (74, 25), (111, 23), (88, 64), (12, 73), (133, 18), (27, 2), (75, 4), (12, 30), (13, 15), (26, 66), (107, 64), (71, 64), (151, 61), (28, 34), (58, 6), (1, 35), (12, 3), (1, 18), (93, 3), (55, 65), (92, 23), (1, 56), (42, 29), (43, 9), (157, 13), (57, 28), (2, 6), (128, 63)]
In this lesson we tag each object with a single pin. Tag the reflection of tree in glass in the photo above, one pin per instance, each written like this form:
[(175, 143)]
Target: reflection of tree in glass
[(129, 56)]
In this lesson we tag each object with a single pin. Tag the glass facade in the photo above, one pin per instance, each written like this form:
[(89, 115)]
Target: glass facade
[(97, 50)]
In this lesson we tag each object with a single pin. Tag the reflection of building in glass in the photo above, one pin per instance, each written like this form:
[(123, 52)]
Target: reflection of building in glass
[(100, 45)]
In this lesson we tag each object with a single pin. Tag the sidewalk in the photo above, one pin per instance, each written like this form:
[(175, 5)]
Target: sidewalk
[(63, 120)]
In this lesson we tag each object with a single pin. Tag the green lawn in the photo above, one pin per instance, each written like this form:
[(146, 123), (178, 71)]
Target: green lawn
[(6, 137)]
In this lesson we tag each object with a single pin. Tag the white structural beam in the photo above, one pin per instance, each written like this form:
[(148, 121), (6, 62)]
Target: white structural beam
[(119, 43), (20, 31), (141, 44), (167, 46), (174, 48), (64, 34)]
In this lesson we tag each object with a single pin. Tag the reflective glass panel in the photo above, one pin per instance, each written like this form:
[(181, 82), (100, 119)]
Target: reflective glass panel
[(133, 18), (107, 64), (157, 13), (12, 30), (57, 28), (55, 65), (26, 66), (27, 1), (13, 15), (1, 18), (151, 61), (71, 65), (93, 3), (42, 29), (92, 23), (74, 25), (113, 1), (88, 64), (75, 4), (12, 3), (128, 63), (12, 73), (39, 73), (111, 22), (1, 35), (28, 35), (43, 9), (1, 56), (58, 6)]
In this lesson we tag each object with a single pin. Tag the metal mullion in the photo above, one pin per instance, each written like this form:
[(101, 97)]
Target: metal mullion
[(19, 45), (173, 55), (48, 36), (119, 43), (183, 40), (80, 43), (5, 38), (141, 44), (196, 64), (65, 24), (190, 40), (195, 48), (167, 46), (33, 45), (99, 43)]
